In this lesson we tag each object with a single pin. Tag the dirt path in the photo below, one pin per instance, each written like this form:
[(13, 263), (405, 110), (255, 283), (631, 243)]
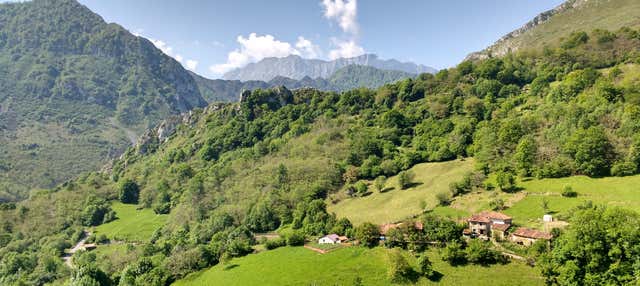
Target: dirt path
[(67, 257), (318, 250)]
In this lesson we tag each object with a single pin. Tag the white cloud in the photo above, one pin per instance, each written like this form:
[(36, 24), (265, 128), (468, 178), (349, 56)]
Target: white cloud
[(308, 49), (344, 12), (345, 49), (255, 48), (189, 64)]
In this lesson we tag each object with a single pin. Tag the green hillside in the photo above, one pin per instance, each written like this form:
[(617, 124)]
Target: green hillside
[(573, 15), (274, 161), (299, 266), (75, 91)]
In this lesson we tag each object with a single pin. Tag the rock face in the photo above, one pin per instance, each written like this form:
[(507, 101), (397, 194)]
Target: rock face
[(297, 68)]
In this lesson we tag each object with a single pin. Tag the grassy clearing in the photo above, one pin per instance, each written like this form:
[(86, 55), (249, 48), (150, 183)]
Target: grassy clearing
[(396, 204), (132, 224), (299, 266)]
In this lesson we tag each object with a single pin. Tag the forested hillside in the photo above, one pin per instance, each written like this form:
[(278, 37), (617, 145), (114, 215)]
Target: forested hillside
[(270, 162), (349, 77), (75, 91)]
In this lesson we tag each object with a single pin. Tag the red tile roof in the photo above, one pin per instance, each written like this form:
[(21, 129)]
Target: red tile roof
[(500, 226), (488, 216), (532, 233)]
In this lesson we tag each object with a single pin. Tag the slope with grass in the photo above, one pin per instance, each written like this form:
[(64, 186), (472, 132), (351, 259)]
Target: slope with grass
[(299, 266), (395, 204), (553, 25), (132, 224)]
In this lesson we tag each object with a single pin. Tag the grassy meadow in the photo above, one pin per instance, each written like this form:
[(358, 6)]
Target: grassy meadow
[(299, 266), (395, 204), (132, 224)]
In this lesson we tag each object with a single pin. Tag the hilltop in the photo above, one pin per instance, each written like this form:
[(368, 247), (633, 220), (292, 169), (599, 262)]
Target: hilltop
[(556, 24)]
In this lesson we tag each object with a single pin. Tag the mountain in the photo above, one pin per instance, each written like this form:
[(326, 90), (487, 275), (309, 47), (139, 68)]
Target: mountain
[(296, 67), (75, 91), (551, 26), (348, 77)]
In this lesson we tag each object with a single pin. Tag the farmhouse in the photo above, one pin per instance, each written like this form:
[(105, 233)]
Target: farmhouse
[(527, 236), (489, 224), (332, 239)]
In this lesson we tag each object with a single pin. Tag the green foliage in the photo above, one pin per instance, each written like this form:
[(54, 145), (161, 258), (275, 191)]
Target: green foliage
[(480, 252), (405, 179), (425, 266), (454, 254), (129, 192), (399, 269), (594, 249), (567, 191), (368, 234), (575, 39)]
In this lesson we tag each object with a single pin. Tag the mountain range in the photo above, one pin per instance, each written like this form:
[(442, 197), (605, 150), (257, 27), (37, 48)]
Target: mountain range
[(296, 67)]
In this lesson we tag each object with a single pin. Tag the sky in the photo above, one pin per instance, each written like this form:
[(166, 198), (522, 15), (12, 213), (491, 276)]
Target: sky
[(211, 37)]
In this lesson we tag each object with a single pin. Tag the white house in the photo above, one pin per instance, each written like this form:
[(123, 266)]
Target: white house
[(332, 239)]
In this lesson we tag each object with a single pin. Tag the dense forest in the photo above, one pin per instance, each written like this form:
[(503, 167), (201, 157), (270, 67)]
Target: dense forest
[(269, 162)]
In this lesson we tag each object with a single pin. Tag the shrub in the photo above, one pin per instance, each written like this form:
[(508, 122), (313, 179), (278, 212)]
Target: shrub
[(478, 252), (497, 204), (424, 266), (399, 268), (295, 239), (624, 168), (454, 254), (405, 179), (568, 192), (129, 192), (443, 198), (275, 243)]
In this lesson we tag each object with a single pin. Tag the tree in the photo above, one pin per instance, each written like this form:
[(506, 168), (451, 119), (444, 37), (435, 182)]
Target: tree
[(567, 191), (129, 192), (454, 254), (505, 180), (545, 205), (595, 249), (399, 268), (405, 179), (590, 149), (368, 234), (478, 252), (380, 182), (424, 266), (525, 156), (443, 198), (497, 204), (361, 187)]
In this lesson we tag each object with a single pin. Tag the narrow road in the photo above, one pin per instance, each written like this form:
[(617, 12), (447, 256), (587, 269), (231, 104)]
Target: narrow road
[(68, 256)]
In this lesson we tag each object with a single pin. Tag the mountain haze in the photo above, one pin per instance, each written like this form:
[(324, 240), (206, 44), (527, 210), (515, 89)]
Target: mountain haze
[(295, 67)]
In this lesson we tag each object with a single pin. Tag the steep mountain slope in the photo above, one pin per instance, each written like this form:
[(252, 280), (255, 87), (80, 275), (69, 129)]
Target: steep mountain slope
[(75, 91), (275, 159), (296, 67), (550, 26), (348, 77)]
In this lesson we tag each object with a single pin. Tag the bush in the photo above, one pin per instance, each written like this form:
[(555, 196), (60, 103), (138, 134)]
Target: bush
[(129, 192), (275, 243), (424, 266), (295, 239), (497, 204), (454, 254), (399, 268), (568, 192), (478, 252), (405, 179), (624, 168), (443, 198)]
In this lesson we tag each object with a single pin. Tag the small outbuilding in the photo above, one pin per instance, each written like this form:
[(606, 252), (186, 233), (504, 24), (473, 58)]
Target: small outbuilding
[(527, 236), (332, 239)]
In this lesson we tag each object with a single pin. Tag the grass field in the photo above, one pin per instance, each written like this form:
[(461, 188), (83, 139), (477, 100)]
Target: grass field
[(526, 206), (132, 224), (299, 266), (395, 204)]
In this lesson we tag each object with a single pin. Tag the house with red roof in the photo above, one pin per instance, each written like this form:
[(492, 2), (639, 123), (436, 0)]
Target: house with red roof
[(527, 237), (488, 224)]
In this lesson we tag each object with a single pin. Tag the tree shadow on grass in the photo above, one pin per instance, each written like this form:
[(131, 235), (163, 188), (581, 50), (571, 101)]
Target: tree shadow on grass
[(366, 194), (389, 189), (436, 276), (513, 190), (414, 184), (230, 266)]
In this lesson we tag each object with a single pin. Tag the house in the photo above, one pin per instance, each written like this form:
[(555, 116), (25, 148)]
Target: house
[(384, 229), (332, 239), (527, 236), (489, 224)]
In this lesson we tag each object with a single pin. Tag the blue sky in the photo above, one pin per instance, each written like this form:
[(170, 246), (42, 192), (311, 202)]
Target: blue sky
[(211, 37)]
